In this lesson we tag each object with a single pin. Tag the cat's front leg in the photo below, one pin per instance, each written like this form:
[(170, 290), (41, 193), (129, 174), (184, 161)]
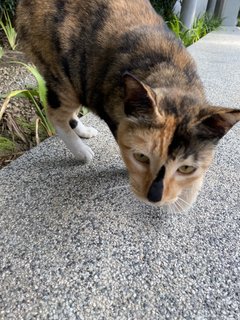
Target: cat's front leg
[(74, 143), (62, 113), (82, 130)]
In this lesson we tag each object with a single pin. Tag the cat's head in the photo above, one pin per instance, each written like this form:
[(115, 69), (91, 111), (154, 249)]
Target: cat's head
[(167, 141)]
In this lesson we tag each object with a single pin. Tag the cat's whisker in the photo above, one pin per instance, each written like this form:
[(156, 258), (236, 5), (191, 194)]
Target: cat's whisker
[(175, 208), (187, 193), (178, 206), (169, 206), (184, 201), (169, 209), (181, 206), (191, 190)]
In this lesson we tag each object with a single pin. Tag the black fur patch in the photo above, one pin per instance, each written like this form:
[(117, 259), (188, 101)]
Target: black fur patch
[(138, 108), (58, 19), (83, 73), (169, 106), (22, 34), (181, 141), (190, 73), (57, 43), (76, 68), (66, 67), (109, 121), (49, 77), (73, 123), (61, 12), (53, 99), (129, 42)]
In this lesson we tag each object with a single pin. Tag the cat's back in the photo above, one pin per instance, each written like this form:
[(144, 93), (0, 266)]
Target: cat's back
[(41, 23), (90, 44), (36, 11)]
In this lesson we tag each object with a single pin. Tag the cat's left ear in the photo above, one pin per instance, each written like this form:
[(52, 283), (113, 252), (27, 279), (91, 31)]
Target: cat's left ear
[(139, 98), (218, 121)]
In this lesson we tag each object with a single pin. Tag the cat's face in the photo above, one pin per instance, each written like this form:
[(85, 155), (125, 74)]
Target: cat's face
[(167, 142), (157, 176)]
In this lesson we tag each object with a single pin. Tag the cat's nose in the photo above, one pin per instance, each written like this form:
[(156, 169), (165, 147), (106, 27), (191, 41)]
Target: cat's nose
[(156, 189), (155, 192)]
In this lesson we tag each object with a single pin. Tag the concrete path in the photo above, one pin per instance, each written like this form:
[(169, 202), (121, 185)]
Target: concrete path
[(76, 244)]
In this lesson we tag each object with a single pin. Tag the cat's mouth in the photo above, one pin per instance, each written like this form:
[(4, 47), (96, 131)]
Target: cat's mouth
[(181, 203)]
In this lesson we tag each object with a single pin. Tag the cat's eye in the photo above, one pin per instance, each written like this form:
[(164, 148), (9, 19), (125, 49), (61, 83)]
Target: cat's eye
[(186, 169), (141, 158)]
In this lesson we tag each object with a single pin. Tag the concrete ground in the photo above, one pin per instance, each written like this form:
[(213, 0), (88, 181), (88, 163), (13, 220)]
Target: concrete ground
[(76, 244)]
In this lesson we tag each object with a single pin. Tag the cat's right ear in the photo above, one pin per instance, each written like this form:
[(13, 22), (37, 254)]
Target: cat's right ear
[(139, 98), (215, 122)]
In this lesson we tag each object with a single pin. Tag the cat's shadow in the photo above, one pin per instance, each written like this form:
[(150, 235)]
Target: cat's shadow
[(98, 189), (64, 162)]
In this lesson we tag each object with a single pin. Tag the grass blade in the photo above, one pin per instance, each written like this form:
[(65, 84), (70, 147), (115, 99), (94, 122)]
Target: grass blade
[(12, 94)]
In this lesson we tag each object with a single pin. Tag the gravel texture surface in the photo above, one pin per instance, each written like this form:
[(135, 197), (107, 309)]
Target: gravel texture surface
[(76, 244)]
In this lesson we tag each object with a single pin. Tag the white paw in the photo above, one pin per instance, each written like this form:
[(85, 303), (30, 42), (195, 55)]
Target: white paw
[(87, 132), (84, 154), (84, 132), (80, 150)]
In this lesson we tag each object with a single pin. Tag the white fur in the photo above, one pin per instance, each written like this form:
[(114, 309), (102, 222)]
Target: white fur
[(83, 131), (75, 144)]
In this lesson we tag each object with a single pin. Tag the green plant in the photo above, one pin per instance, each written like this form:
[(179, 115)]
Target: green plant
[(6, 146), (212, 23), (1, 52), (164, 7), (9, 30), (176, 25), (83, 111), (37, 96), (200, 28), (203, 26), (8, 6)]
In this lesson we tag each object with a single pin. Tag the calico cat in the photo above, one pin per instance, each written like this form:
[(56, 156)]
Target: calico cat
[(119, 59)]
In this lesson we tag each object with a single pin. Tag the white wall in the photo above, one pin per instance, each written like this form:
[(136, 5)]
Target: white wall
[(229, 12), (192, 9)]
